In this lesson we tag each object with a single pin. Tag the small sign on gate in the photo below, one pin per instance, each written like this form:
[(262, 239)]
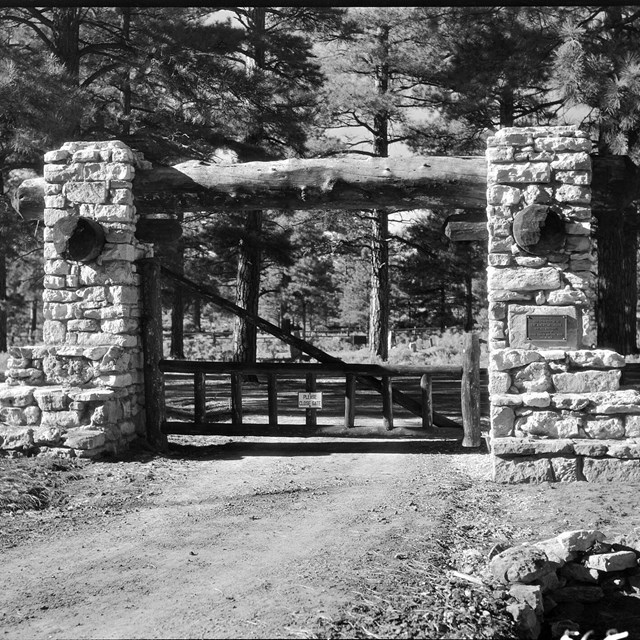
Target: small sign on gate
[(310, 400)]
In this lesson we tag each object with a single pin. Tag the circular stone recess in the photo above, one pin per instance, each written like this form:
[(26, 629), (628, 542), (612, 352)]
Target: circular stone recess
[(83, 243), (539, 230)]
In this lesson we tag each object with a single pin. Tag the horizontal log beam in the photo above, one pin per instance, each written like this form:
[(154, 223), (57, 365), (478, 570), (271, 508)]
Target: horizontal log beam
[(345, 183)]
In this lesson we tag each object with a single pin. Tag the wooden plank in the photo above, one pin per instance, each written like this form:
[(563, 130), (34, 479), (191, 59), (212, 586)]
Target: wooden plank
[(299, 430), (295, 369), (199, 396), (350, 401), (272, 398), (311, 414), (236, 399), (470, 394), (387, 403), (426, 392), (151, 321)]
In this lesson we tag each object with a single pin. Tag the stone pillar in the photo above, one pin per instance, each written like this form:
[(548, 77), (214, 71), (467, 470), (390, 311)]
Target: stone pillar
[(81, 392), (557, 410)]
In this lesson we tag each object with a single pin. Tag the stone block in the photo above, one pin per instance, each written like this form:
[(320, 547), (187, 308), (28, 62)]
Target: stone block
[(577, 229), (529, 446), (524, 172), (52, 398), (16, 437), (47, 436), (565, 469), (537, 399), (500, 259), (84, 439), (522, 470), (499, 382), (596, 358), (626, 401), (571, 162), (114, 213), (523, 279), (630, 450), (107, 171), (579, 573), (503, 196), (86, 192), (59, 174), (526, 621), (611, 470), (604, 428), (548, 424), (506, 359), (57, 156), (68, 371), (590, 448), (570, 401), (124, 325), (523, 563), (86, 155), (607, 562), (586, 381), (53, 332), (581, 178), (91, 395), (507, 400), (13, 416), (537, 194), (20, 396), (632, 426), (563, 143), (534, 377), (502, 420), (528, 594)]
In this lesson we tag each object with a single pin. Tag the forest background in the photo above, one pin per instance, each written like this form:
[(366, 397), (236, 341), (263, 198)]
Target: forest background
[(239, 84)]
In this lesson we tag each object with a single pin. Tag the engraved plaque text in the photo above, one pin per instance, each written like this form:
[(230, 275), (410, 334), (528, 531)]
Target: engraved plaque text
[(549, 327)]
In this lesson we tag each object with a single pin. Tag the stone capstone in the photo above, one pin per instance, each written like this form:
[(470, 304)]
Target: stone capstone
[(520, 564)]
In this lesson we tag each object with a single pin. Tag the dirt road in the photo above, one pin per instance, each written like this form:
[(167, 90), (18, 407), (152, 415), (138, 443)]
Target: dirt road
[(251, 540)]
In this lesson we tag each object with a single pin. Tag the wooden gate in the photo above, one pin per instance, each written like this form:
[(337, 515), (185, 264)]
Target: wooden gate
[(350, 376)]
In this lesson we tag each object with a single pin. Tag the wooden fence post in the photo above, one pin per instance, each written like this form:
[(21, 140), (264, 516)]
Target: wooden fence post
[(155, 411), (470, 394)]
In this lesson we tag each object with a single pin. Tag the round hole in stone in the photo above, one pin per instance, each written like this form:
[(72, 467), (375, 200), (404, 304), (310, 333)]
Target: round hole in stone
[(85, 242), (538, 229)]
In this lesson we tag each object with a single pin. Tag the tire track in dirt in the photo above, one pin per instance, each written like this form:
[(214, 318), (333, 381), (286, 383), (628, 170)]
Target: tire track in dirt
[(252, 542)]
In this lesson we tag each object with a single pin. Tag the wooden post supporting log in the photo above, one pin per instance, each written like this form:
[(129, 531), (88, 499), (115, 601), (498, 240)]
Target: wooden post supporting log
[(155, 411), (272, 399), (350, 401), (427, 401), (311, 414), (387, 403), (470, 395), (236, 399), (199, 397)]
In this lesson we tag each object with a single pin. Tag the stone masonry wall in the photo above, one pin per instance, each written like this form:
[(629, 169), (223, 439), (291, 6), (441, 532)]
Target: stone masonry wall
[(81, 392), (558, 412)]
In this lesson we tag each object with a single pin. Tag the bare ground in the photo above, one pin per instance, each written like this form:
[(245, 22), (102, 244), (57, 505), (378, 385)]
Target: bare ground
[(235, 538)]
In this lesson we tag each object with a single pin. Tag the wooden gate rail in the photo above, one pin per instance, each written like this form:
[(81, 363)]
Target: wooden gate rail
[(370, 381), (309, 372)]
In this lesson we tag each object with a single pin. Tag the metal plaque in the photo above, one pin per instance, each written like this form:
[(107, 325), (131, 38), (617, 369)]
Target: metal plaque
[(548, 327)]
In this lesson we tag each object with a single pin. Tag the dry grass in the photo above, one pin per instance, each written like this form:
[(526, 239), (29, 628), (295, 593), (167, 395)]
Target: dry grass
[(28, 484)]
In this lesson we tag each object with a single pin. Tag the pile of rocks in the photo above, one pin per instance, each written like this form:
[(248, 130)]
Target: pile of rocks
[(555, 582)]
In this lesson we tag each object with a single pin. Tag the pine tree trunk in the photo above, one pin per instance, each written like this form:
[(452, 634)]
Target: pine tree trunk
[(176, 349), (468, 300), (248, 289), (629, 272), (197, 315), (3, 296), (610, 310), (379, 302)]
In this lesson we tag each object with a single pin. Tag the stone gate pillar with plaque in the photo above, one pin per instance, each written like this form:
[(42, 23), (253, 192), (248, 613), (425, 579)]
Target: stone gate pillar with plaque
[(558, 412)]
